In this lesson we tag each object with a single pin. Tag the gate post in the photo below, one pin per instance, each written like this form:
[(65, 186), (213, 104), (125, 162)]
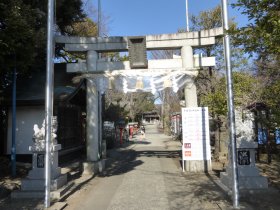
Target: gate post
[(92, 57), (190, 93), (92, 121), (191, 101), (93, 163), (190, 88)]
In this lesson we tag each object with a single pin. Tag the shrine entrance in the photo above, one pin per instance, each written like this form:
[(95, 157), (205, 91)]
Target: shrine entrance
[(137, 74)]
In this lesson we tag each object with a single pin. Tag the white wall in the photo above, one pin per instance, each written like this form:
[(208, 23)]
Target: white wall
[(26, 117)]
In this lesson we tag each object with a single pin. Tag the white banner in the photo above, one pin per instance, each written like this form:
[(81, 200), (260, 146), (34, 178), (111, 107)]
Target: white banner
[(196, 141)]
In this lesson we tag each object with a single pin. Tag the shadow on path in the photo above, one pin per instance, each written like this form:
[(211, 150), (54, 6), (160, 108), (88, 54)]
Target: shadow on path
[(159, 153), (120, 162)]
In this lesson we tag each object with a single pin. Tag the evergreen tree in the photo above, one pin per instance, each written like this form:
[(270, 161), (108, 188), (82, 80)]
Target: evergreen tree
[(262, 34), (23, 26)]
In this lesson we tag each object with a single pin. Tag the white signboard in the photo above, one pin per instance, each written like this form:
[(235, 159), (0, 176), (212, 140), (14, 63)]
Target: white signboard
[(196, 142)]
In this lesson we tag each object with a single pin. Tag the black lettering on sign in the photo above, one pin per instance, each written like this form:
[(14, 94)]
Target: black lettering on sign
[(40, 160), (243, 157)]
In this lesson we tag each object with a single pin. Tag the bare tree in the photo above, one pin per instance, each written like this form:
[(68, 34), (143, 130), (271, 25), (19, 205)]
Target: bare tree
[(170, 100)]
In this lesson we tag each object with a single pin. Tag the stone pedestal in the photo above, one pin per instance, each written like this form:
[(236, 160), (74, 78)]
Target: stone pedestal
[(248, 174), (33, 185), (198, 166), (104, 149), (91, 168)]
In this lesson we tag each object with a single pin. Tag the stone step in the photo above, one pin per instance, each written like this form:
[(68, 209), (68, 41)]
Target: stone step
[(39, 184), (58, 194), (55, 195), (27, 194), (57, 206), (248, 182)]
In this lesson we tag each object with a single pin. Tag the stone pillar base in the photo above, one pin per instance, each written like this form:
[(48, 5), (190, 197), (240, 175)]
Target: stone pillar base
[(39, 184), (248, 178), (33, 185), (93, 167), (104, 150), (198, 165)]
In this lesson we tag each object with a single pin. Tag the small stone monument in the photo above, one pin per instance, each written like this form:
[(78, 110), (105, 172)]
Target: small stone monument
[(33, 185), (248, 174)]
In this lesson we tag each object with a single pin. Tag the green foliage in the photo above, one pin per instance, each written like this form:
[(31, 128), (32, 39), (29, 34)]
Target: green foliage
[(271, 99), (216, 102), (145, 102), (245, 92), (207, 19), (211, 82), (212, 19), (115, 56), (270, 95), (68, 12), (86, 28), (129, 105), (114, 112), (262, 36), (23, 26), (262, 33), (246, 89), (140, 102), (18, 36)]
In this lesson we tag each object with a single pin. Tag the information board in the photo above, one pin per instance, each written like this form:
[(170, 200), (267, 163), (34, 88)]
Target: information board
[(196, 141)]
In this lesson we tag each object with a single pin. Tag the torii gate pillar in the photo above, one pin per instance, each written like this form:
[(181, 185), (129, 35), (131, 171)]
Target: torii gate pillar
[(190, 88), (93, 164), (191, 101)]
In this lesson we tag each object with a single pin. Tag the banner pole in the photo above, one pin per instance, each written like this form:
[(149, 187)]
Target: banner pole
[(49, 99), (231, 111)]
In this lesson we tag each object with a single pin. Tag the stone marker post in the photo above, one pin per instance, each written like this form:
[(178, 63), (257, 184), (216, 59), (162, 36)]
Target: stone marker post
[(248, 173), (93, 164), (34, 184)]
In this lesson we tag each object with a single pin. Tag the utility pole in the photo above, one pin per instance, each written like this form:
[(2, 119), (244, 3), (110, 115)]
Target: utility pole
[(231, 112), (100, 123), (49, 99), (99, 19), (13, 151), (187, 15)]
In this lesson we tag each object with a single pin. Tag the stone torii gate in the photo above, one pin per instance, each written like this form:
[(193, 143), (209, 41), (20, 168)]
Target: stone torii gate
[(136, 46)]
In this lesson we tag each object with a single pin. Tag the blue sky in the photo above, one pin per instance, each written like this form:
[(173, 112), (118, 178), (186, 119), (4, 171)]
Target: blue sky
[(143, 17)]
